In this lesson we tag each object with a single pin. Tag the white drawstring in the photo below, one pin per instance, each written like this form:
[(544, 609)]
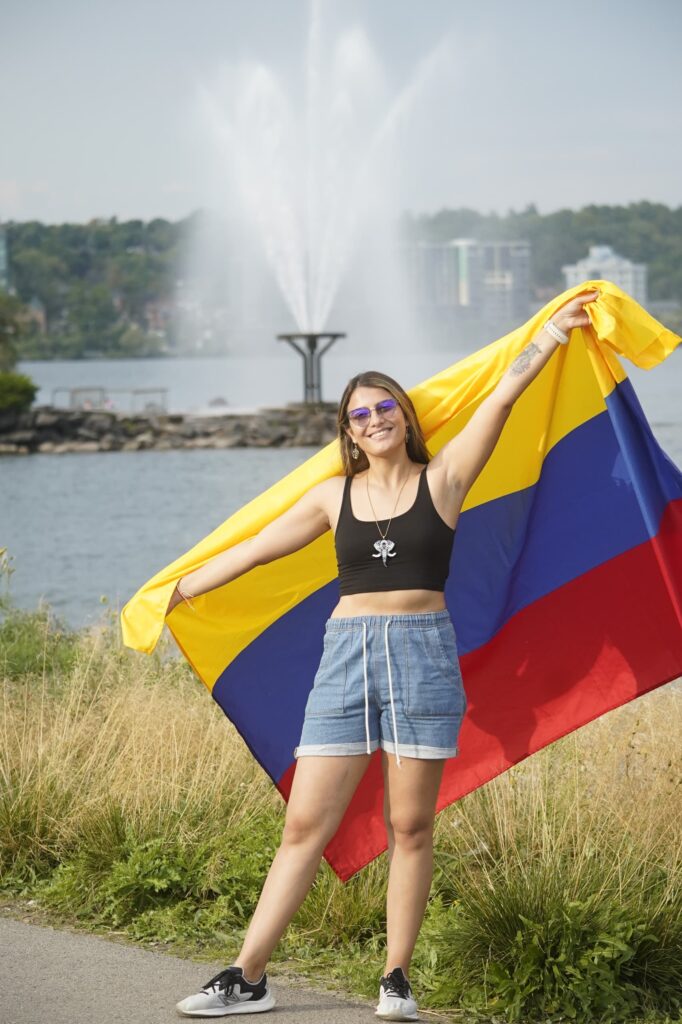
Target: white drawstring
[(390, 689), (364, 663), (390, 692)]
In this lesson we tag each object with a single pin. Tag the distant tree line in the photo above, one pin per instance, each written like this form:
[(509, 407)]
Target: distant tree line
[(100, 288), (89, 289), (643, 232)]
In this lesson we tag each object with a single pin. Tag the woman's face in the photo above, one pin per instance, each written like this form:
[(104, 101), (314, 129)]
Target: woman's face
[(384, 429)]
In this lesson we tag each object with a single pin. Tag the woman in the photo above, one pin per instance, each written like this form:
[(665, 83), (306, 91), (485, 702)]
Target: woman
[(389, 675)]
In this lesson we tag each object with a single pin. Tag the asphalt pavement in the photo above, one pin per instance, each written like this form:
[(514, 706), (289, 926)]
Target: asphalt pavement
[(55, 976)]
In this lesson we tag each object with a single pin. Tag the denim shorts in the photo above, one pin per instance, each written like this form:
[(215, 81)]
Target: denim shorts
[(389, 681)]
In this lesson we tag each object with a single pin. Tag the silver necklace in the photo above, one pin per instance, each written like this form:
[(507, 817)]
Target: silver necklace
[(385, 548)]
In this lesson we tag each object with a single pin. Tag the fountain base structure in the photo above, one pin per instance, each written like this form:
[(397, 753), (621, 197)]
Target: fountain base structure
[(312, 356)]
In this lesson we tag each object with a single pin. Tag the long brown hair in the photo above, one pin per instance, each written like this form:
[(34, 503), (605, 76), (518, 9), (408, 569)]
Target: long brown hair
[(416, 445)]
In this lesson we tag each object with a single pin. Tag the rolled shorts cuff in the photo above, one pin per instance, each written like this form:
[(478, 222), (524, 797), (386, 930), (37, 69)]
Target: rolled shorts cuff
[(408, 750), (419, 750), (335, 748)]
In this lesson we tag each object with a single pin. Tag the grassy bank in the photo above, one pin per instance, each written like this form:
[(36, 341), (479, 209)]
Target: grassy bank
[(128, 801)]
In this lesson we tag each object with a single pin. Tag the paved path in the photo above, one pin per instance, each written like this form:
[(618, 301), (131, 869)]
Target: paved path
[(49, 976)]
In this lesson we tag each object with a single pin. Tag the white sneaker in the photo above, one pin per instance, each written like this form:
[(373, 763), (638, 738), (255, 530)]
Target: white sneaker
[(228, 992), (396, 1001)]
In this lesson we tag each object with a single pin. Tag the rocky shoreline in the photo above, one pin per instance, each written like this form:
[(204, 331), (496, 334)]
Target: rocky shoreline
[(50, 430)]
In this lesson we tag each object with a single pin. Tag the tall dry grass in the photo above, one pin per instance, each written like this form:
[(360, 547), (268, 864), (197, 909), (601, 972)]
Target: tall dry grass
[(127, 798)]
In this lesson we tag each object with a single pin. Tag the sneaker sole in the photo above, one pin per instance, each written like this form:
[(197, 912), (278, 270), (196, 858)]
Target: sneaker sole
[(257, 1006), (394, 1013)]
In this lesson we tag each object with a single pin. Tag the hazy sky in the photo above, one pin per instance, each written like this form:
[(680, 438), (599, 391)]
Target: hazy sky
[(560, 104)]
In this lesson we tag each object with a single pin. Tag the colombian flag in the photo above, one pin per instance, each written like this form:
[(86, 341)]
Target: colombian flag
[(565, 585)]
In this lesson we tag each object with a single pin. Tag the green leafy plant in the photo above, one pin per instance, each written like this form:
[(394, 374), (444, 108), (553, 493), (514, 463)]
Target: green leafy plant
[(17, 392), (35, 642)]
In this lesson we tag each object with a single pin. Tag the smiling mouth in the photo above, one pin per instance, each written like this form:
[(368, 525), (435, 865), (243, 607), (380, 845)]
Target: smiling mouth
[(384, 430)]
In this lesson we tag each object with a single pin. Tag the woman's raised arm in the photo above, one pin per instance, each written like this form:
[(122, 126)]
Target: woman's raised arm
[(466, 454), (306, 520)]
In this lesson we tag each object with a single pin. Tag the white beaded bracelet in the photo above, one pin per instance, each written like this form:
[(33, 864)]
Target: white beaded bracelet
[(556, 332)]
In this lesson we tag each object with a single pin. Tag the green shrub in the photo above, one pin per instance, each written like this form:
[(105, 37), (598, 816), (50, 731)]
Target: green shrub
[(520, 948), (35, 642), (120, 872), (17, 391)]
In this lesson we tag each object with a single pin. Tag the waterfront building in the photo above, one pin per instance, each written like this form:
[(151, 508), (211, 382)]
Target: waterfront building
[(603, 263), (506, 282), (469, 288)]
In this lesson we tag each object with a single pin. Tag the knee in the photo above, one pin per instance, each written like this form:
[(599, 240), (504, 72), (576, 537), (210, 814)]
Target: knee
[(412, 833), (301, 829)]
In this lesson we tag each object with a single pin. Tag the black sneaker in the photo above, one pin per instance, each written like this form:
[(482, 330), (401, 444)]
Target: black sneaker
[(396, 1001), (228, 992)]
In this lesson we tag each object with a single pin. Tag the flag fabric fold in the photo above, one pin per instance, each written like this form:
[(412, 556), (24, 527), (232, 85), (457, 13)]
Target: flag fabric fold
[(565, 583)]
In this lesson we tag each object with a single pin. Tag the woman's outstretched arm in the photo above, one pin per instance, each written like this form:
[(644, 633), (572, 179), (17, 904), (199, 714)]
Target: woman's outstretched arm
[(466, 454), (537, 352), (306, 520)]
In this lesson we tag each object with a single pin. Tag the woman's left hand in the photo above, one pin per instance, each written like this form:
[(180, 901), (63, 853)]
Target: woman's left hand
[(572, 314)]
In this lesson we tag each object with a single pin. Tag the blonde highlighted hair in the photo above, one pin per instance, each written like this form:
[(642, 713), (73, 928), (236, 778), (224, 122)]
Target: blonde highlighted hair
[(416, 445)]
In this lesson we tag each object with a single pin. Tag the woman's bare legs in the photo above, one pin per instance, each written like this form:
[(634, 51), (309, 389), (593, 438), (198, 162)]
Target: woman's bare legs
[(320, 793), (410, 798)]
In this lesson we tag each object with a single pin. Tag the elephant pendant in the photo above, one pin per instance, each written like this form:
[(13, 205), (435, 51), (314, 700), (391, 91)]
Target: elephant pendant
[(384, 549)]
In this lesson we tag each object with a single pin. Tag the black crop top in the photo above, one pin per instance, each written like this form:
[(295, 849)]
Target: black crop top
[(415, 555)]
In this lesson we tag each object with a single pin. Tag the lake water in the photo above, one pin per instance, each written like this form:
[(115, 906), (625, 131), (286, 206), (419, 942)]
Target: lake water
[(240, 381), (85, 526)]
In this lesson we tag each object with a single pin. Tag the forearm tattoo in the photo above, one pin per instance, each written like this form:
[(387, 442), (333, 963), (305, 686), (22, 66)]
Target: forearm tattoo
[(524, 359)]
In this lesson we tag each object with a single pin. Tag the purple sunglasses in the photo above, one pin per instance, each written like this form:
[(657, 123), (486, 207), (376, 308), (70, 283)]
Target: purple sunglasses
[(361, 416)]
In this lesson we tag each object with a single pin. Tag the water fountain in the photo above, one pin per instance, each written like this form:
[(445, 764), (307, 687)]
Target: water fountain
[(307, 185)]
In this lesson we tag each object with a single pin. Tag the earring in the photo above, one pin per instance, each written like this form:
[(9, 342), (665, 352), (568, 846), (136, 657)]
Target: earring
[(355, 451), (407, 435)]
